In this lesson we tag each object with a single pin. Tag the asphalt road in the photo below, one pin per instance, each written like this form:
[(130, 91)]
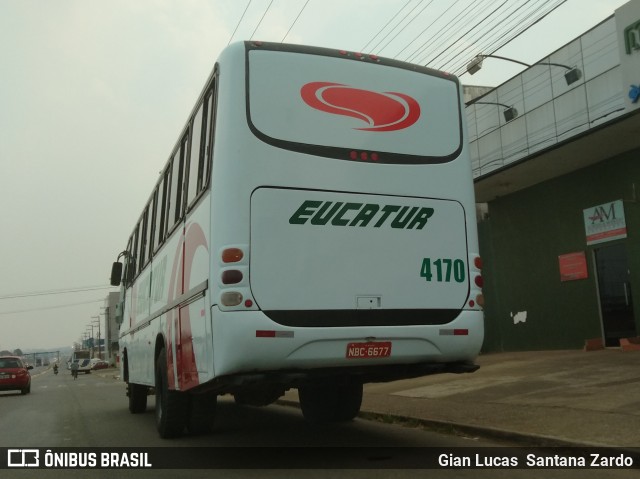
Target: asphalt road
[(92, 412)]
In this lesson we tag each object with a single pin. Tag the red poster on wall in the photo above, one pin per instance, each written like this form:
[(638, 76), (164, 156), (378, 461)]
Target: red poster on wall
[(573, 266)]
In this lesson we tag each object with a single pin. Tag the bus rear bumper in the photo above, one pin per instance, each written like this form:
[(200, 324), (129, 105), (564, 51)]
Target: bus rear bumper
[(264, 351), (288, 379)]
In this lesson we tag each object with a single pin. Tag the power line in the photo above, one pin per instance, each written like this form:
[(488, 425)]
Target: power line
[(46, 308), (500, 41), (385, 26), (294, 22), (260, 22), (498, 21), (406, 25), (239, 22), (532, 23), (469, 30), (396, 26), (28, 294), (420, 49)]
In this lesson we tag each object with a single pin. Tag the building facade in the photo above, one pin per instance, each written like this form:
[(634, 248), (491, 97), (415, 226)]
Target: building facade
[(558, 178)]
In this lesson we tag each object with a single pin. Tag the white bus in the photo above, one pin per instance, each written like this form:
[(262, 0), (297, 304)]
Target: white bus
[(313, 228), (83, 358)]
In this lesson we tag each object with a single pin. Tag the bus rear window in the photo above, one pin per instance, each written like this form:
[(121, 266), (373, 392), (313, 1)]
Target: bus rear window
[(353, 110)]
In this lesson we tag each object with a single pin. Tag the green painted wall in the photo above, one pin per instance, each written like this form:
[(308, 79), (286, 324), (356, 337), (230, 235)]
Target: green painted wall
[(520, 242)]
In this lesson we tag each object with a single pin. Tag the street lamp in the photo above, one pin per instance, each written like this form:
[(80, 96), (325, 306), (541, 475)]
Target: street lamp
[(509, 112), (572, 75)]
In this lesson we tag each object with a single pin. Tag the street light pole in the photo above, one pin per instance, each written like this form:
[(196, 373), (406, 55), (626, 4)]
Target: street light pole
[(509, 112), (572, 75)]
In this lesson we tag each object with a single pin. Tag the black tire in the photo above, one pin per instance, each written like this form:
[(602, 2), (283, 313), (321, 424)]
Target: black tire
[(137, 398), (26, 390), (171, 406), (328, 401), (202, 413)]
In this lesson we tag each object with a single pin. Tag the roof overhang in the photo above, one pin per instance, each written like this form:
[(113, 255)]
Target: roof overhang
[(593, 146)]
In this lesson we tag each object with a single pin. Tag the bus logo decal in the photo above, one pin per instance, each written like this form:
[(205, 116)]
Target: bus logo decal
[(339, 213), (388, 111)]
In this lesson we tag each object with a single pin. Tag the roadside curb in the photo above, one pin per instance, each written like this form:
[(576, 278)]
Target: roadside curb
[(485, 432)]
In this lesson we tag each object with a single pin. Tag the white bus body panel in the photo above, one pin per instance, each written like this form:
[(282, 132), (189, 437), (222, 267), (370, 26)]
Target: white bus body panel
[(367, 254), (292, 268), (152, 311)]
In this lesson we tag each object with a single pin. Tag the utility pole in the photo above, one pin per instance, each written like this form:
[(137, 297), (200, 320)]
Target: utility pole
[(99, 348), (91, 326)]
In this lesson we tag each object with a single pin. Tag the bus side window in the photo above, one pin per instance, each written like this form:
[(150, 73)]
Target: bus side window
[(181, 205), (161, 212), (134, 253), (152, 222), (171, 197), (128, 264), (142, 229), (144, 238), (195, 159), (209, 128), (175, 201)]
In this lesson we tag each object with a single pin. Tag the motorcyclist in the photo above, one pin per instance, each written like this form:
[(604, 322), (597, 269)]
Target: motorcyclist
[(55, 368), (74, 369)]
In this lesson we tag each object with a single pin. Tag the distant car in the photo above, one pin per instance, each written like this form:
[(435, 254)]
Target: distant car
[(14, 375), (100, 365)]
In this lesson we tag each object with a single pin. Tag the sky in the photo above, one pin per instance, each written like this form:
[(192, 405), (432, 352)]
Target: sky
[(93, 94)]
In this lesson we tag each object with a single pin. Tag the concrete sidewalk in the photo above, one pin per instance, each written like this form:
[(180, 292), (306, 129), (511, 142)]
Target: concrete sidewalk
[(543, 398)]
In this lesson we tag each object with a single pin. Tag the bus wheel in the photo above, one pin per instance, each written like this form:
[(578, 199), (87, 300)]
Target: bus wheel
[(327, 401), (137, 398), (170, 405), (202, 413)]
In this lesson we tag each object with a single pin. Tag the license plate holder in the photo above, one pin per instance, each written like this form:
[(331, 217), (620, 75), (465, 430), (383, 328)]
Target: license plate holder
[(369, 350)]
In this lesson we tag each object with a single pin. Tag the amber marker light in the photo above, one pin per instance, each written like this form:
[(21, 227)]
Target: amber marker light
[(232, 255)]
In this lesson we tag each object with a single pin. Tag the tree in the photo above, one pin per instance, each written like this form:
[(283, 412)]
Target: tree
[(18, 352)]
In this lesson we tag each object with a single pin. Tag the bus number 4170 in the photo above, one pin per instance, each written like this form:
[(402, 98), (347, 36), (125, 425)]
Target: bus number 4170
[(443, 270)]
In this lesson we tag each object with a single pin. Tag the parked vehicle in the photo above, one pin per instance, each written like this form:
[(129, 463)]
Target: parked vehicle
[(99, 364), (14, 375)]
